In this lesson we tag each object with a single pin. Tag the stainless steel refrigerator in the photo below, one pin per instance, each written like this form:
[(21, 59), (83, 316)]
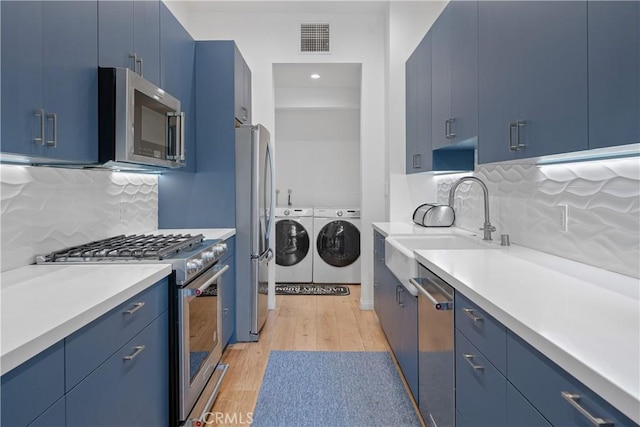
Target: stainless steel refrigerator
[(254, 218)]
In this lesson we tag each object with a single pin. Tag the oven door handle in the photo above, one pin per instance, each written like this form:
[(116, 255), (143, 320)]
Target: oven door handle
[(211, 281)]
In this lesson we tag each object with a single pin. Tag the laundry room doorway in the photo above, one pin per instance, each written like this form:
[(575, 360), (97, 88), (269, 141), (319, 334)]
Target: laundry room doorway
[(317, 134)]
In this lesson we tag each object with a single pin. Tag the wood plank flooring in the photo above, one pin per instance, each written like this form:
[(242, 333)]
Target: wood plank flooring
[(301, 323)]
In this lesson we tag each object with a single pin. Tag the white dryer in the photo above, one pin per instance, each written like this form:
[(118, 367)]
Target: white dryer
[(337, 245), (294, 244)]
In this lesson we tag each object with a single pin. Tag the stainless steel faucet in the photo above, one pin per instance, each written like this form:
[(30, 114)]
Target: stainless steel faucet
[(487, 228)]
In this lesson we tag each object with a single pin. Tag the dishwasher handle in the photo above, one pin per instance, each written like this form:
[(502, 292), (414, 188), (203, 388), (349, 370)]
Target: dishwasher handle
[(438, 305)]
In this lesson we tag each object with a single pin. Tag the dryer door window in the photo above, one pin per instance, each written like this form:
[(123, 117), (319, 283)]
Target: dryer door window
[(339, 243), (292, 242)]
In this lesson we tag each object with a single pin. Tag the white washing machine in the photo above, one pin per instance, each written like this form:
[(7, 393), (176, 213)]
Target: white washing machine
[(337, 245), (294, 244)]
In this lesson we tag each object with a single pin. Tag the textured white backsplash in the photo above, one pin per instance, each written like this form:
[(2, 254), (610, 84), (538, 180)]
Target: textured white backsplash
[(45, 209), (603, 200)]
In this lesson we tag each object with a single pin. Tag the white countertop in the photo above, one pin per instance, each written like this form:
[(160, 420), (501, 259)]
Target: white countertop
[(407, 228), (209, 233), (42, 304), (585, 319)]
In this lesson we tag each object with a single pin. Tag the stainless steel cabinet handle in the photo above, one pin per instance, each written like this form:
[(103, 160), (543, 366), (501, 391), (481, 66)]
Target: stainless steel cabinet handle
[(574, 400), (469, 312), (225, 311), (519, 124), (137, 306), (399, 291), (54, 120), (134, 56), (448, 132), (418, 161), (512, 126), (138, 349), (40, 113), (469, 359), (245, 115), (139, 61)]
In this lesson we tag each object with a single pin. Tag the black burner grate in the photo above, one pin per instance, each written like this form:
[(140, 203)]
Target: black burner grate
[(133, 247)]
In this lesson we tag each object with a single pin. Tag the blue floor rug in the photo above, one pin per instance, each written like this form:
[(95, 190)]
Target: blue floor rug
[(332, 389)]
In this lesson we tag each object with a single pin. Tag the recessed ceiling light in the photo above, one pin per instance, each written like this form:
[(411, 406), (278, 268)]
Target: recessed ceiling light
[(315, 76)]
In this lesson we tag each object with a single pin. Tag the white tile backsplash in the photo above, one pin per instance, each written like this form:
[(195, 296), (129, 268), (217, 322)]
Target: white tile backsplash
[(603, 200), (45, 209)]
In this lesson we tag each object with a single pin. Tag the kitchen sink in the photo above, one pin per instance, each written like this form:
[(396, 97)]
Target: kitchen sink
[(400, 259)]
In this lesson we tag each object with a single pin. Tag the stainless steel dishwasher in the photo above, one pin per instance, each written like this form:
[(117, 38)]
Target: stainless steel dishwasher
[(436, 375)]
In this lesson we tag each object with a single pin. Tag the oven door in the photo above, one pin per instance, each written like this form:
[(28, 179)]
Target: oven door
[(199, 334)]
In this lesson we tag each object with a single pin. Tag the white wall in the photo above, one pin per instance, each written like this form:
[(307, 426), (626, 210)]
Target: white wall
[(409, 21), (318, 157), (47, 209), (266, 38)]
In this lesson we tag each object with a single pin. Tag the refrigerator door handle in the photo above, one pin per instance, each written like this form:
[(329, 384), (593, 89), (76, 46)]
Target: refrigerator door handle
[(270, 167)]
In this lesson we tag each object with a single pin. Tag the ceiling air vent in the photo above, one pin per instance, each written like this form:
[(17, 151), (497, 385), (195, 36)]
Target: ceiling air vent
[(315, 38)]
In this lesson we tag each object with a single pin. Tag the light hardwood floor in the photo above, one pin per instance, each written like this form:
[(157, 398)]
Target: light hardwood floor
[(302, 323)]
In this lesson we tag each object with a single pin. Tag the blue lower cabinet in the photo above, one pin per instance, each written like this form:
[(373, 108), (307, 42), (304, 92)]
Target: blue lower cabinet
[(125, 386), (31, 388), (460, 421), (549, 388), (481, 390), (55, 416), (522, 413)]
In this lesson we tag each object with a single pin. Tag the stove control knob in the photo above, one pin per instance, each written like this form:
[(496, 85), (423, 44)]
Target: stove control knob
[(339, 213), (208, 255), (191, 266), (287, 211), (198, 263), (220, 248)]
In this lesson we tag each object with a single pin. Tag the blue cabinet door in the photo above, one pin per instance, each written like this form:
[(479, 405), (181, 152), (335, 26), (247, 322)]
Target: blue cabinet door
[(522, 413), (21, 76), (614, 73), (481, 391), (418, 108), (464, 71), (55, 416), (441, 79), (531, 91), (29, 389), (49, 62), (70, 78), (115, 34), (146, 37), (131, 27)]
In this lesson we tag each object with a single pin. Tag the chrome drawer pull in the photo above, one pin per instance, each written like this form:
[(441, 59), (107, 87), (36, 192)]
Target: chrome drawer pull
[(138, 349), (469, 312), (469, 358), (574, 399), (137, 306)]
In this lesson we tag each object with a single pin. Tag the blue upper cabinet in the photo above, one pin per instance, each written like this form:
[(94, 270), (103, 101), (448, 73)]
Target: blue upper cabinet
[(418, 108), (455, 75), (178, 75), (22, 92), (131, 28), (532, 78), (463, 125), (441, 80), (49, 79), (614, 73), (242, 89)]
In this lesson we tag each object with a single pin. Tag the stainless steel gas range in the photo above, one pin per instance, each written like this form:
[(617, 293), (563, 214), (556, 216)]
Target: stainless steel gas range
[(195, 319)]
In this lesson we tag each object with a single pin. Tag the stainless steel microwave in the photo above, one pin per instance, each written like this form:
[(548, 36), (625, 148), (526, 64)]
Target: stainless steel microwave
[(139, 124)]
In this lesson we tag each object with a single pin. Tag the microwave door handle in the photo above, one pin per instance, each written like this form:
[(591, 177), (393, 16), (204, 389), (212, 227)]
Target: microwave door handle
[(180, 132)]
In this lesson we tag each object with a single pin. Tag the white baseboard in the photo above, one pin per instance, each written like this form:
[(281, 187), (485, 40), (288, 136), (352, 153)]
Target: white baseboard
[(366, 304)]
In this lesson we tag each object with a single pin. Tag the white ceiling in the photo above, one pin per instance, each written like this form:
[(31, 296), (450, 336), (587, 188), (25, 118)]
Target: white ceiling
[(331, 75), (278, 6)]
